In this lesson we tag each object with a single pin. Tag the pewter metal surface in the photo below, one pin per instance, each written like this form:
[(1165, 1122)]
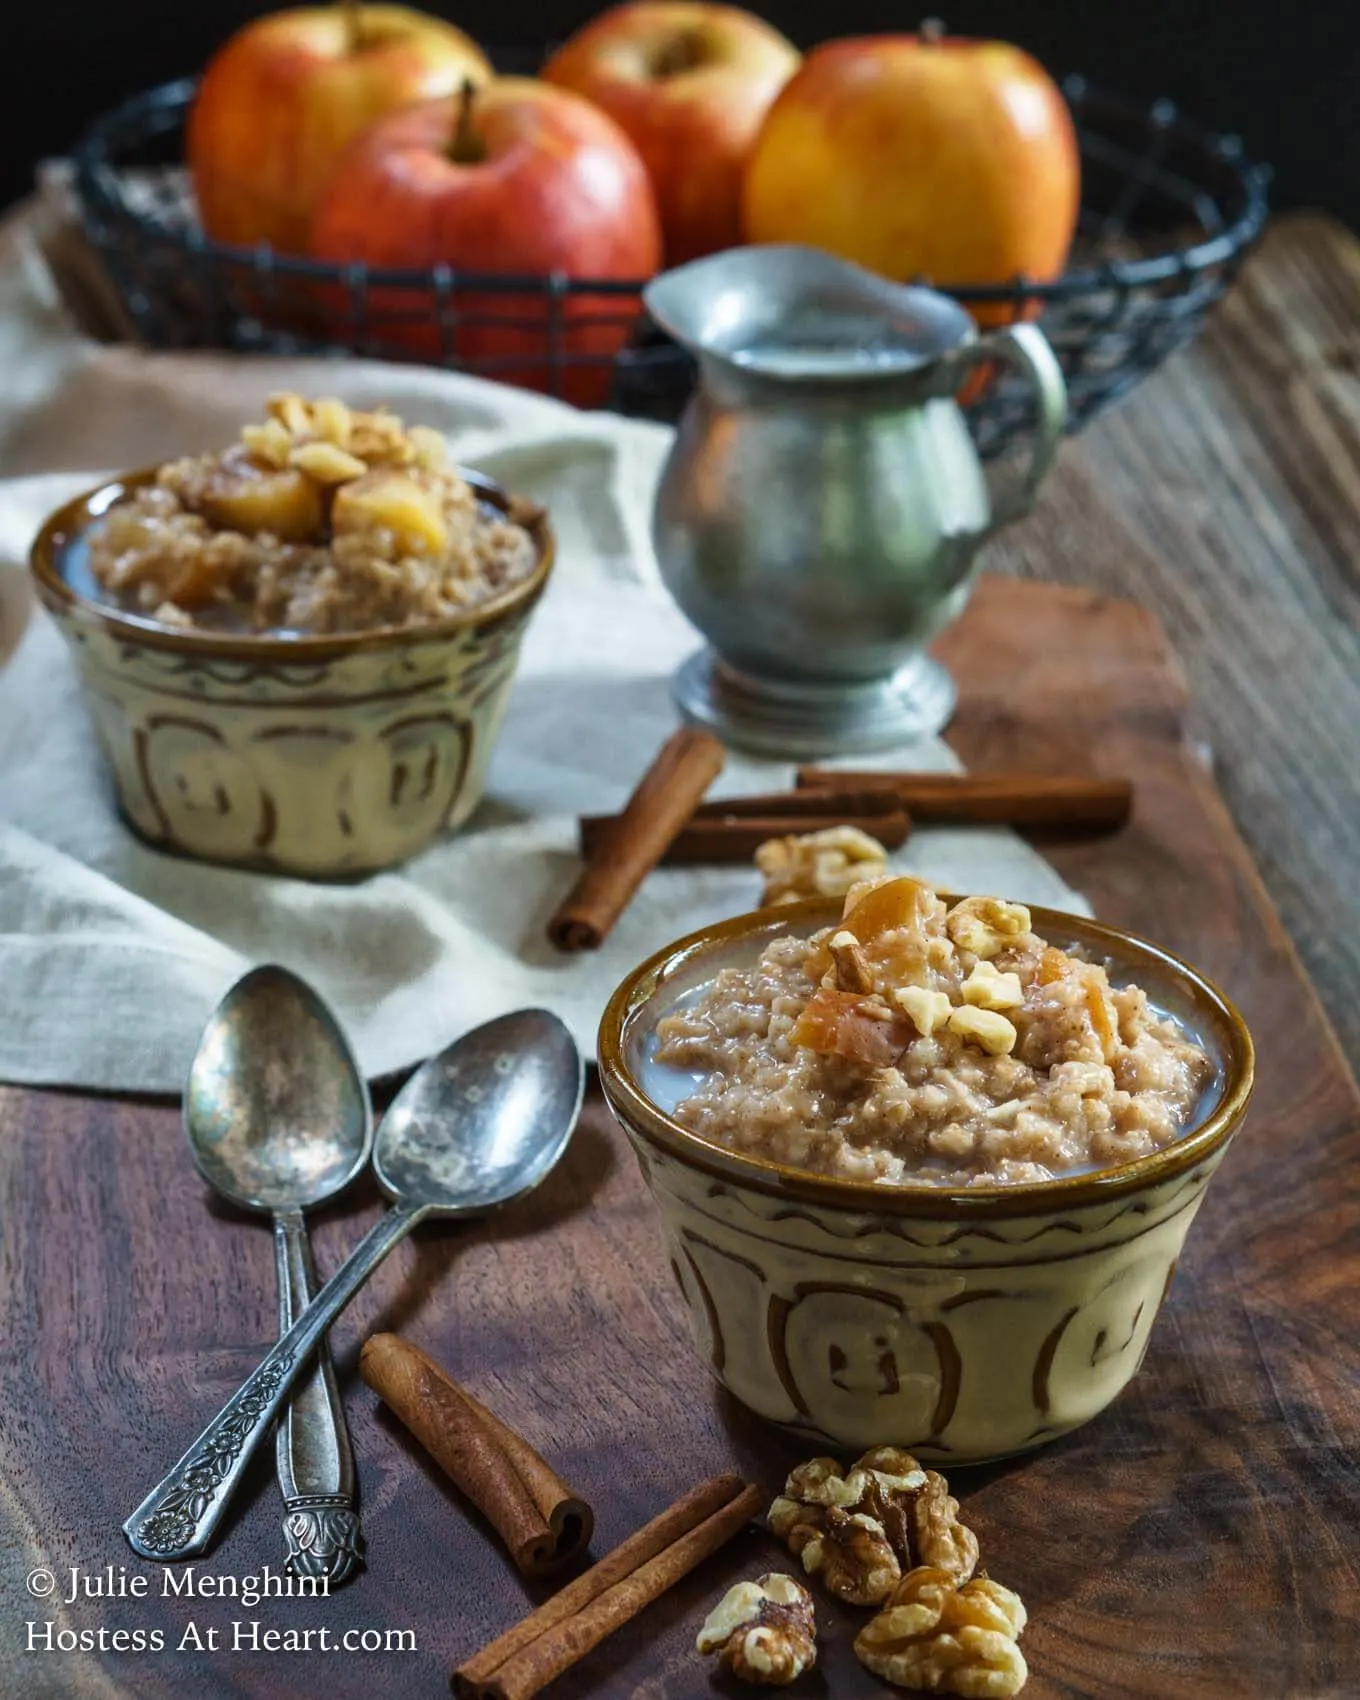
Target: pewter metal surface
[(821, 511), (276, 1108), (771, 718), (474, 1127), (313, 1455), (466, 1131), (278, 1118)]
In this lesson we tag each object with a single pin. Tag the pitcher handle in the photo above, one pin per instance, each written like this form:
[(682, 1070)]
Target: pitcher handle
[(1026, 349)]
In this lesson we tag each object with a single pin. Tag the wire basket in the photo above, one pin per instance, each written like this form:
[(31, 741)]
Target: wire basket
[(1169, 212)]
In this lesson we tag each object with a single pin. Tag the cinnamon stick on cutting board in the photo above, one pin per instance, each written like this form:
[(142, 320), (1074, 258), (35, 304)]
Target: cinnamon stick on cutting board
[(1078, 802), (731, 829), (686, 765), (537, 1650), (542, 1522)]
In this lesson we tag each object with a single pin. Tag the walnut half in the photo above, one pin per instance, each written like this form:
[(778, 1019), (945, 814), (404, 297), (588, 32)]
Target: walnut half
[(847, 1550), (860, 1529), (986, 925), (937, 1636), (763, 1631), (818, 864)]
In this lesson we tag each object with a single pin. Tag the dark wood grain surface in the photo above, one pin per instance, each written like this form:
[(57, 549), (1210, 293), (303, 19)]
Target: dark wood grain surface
[(1224, 495), (1199, 1539)]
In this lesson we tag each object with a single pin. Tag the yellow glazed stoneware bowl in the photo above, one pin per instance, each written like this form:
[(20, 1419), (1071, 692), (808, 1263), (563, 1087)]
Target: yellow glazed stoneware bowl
[(961, 1324), (326, 757)]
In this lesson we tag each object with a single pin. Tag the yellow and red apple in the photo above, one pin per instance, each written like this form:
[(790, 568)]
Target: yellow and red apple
[(286, 94), (920, 156), (691, 83), (515, 179)]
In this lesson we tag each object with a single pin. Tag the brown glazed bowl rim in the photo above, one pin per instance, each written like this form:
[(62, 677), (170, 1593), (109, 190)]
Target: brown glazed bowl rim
[(76, 516), (920, 1199)]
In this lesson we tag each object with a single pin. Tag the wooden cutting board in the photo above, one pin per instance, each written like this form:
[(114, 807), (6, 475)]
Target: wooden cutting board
[(1199, 1539)]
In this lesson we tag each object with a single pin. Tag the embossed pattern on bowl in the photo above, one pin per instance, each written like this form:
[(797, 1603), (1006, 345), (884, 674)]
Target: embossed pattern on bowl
[(962, 1324), (324, 757)]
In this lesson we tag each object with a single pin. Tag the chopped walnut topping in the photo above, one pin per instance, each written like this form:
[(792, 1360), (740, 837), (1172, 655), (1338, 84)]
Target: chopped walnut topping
[(988, 988), (986, 925), (381, 439), (292, 413), (334, 444), (852, 970), (936, 1636), (269, 442), (928, 1010), (986, 1028), (332, 421), (818, 864), (904, 1515), (764, 1631)]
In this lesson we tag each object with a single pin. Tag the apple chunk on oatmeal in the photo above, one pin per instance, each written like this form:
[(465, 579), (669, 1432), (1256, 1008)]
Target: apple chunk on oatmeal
[(915, 1041)]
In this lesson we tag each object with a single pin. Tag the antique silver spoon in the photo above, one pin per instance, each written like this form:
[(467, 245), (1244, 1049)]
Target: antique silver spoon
[(474, 1127), (278, 1119)]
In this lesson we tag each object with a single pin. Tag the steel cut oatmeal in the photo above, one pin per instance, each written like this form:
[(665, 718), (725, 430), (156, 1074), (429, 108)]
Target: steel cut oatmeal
[(319, 520), (919, 1042)]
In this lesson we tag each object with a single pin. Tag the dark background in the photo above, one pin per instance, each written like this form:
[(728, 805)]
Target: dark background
[(1286, 78)]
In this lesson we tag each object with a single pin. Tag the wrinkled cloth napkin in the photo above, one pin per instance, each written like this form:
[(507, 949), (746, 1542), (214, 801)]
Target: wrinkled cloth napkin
[(112, 955)]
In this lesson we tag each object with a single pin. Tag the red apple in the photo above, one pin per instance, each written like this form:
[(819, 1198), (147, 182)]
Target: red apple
[(281, 100), (917, 156), (513, 179), (691, 83)]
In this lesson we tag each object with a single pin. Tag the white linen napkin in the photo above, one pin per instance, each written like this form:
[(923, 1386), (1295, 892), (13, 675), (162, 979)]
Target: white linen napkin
[(113, 954)]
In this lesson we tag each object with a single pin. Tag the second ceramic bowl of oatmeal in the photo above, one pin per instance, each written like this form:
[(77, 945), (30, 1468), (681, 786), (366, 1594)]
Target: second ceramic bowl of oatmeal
[(296, 653), (924, 1172)]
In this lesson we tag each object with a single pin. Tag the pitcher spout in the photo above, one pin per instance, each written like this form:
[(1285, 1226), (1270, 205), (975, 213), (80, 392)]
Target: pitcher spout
[(794, 312)]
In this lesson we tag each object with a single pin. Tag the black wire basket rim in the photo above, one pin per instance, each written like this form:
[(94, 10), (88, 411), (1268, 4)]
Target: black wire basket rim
[(91, 156)]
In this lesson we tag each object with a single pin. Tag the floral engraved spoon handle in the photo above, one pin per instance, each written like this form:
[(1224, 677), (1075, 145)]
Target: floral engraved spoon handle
[(178, 1518), (313, 1458)]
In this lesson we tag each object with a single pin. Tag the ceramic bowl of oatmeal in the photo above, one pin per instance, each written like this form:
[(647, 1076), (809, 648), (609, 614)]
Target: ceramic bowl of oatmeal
[(296, 652), (925, 1165)]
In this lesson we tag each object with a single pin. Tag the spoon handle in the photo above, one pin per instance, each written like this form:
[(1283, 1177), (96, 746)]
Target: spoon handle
[(314, 1462), (178, 1517)]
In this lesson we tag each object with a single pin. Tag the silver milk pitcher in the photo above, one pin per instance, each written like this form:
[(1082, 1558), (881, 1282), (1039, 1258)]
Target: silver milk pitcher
[(823, 505)]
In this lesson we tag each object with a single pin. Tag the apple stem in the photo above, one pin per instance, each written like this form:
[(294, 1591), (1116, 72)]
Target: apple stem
[(351, 11), (467, 148), (931, 31), (682, 52)]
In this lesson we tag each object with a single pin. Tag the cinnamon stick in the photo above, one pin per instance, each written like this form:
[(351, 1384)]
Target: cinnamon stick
[(687, 764), (639, 1570), (542, 1522), (714, 837), (1073, 802), (825, 803)]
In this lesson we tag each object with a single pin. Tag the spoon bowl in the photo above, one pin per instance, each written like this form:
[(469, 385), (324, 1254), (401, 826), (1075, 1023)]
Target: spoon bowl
[(465, 1132), (276, 1109)]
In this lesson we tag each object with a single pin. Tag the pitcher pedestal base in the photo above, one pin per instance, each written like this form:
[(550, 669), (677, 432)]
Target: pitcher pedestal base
[(803, 720)]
